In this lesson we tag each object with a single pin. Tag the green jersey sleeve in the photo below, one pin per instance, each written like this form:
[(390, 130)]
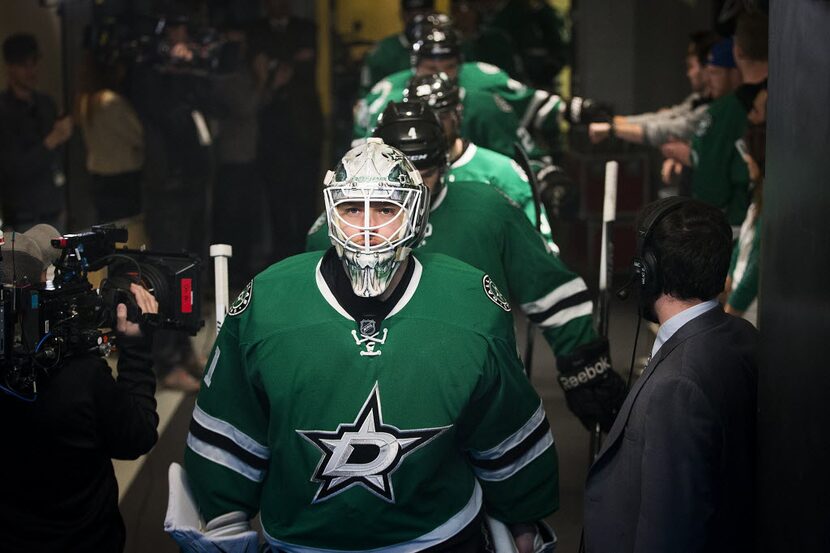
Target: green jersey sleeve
[(507, 436), (537, 110), (225, 458), (550, 294)]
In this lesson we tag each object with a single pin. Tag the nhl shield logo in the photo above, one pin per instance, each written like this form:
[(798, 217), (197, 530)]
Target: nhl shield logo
[(242, 301), (494, 293), (368, 327)]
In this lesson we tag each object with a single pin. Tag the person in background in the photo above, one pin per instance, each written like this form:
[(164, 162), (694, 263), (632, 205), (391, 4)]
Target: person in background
[(114, 138), (540, 35), (32, 136), (391, 54), (238, 94), (719, 175), (677, 122), (482, 42), (741, 292), (291, 124)]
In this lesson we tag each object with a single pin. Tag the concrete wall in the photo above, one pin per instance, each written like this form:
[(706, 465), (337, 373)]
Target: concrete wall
[(631, 52)]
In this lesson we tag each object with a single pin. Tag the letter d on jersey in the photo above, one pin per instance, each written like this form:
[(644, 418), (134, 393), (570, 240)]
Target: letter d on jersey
[(364, 453)]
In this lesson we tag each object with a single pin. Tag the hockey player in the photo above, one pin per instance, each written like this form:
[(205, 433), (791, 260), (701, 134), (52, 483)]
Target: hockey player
[(478, 224), (490, 121), (468, 160), (391, 54), (438, 50), (365, 398)]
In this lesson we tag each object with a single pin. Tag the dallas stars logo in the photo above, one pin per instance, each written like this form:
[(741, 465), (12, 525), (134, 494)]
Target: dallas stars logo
[(242, 301), (365, 452)]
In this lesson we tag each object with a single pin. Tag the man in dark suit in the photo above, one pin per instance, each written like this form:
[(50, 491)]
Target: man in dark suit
[(676, 472)]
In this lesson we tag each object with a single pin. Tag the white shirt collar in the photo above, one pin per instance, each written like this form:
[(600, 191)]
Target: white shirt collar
[(674, 324)]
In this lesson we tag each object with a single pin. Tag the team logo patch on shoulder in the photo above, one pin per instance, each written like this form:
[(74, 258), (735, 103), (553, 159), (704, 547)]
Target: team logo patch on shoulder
[(494, 293), (242, 301)]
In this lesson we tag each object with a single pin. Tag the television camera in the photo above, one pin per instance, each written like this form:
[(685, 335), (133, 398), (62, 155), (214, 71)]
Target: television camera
[(42, 324)]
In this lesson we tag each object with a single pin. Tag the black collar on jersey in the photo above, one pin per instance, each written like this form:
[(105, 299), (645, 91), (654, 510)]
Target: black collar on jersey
[(360, 308)]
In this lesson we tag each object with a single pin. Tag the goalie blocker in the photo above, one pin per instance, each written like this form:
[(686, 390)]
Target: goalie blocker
[(593, 390)]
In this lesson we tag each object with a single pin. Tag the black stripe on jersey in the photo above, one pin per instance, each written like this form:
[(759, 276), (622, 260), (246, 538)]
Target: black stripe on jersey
[(223, 442), (516, 452), (570, 301)]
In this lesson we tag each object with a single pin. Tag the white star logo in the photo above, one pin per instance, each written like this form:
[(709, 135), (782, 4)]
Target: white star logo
[(365, 452)]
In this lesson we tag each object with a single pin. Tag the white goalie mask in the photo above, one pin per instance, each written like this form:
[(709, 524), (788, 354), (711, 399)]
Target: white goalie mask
[(376, 208)]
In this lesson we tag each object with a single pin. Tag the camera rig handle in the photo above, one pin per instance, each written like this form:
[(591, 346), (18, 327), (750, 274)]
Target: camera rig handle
[(220, 254)]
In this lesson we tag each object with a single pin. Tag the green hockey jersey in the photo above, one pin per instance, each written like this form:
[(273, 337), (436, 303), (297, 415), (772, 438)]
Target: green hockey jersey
[(534, 109), (719, 173), (476, 223), (389, 55), (482, 165), (345, 435)]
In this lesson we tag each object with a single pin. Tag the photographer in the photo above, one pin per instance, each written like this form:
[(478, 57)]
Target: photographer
[(60, 491)]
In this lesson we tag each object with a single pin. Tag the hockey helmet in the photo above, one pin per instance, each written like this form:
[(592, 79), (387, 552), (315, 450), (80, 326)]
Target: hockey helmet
[(414, 129), (370, 179), (437, 40), (438, 91)]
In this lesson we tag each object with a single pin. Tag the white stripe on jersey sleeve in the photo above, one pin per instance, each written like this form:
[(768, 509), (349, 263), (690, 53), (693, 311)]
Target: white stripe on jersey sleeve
[(506, 472), (558, 294), (567, 315), (514, 439), (231, 432), (224, 458)]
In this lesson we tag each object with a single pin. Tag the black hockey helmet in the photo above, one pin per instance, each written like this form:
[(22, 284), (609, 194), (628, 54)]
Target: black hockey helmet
[(423, 23), (437, 41), (414, 129), (438, 91)]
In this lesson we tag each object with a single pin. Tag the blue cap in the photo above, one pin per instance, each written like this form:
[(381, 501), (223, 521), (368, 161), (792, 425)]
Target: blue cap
[(721, 54)]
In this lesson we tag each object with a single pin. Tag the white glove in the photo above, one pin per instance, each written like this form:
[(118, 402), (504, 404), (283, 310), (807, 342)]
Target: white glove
[(228, 533), (543, 542)]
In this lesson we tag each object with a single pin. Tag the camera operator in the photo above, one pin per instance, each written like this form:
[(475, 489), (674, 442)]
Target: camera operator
[(59, 490)]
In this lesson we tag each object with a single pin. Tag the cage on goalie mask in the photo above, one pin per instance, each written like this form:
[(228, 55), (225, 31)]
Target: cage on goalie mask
[(374, 176)]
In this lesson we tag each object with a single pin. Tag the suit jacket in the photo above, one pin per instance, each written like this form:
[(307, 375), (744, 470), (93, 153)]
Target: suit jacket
[(676, 473)]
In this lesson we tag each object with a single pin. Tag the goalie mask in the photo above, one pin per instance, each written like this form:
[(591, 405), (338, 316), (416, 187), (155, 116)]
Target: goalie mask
[(376, 208)]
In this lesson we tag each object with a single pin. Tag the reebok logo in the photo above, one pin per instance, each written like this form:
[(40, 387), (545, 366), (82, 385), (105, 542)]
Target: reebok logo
[(587, 374)]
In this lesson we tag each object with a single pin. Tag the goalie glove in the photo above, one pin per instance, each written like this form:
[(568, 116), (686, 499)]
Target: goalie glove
[(228, 533), (593, 391)]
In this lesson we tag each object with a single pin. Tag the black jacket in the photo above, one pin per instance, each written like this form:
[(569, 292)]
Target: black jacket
[(27, 168), (59, 491), (676, 472)]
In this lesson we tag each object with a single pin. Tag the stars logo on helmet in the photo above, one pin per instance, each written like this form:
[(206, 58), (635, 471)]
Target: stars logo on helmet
[(365, 452)]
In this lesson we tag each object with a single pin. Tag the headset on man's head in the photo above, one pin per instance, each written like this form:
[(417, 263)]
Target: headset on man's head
[(644, 270)]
